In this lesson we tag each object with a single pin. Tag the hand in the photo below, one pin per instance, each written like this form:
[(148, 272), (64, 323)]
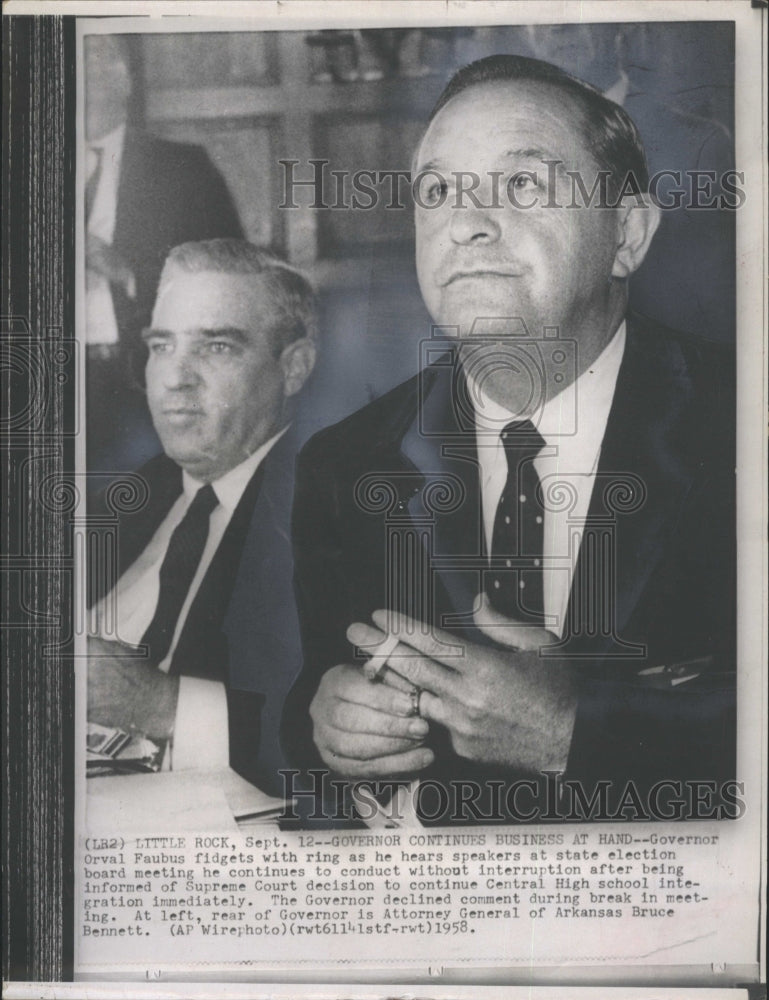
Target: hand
[(365, 730), (101, 258), (126, 691), (507, 707)]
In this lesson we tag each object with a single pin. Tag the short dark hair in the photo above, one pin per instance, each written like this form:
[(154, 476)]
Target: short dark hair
[(291, 292), (609, 131)]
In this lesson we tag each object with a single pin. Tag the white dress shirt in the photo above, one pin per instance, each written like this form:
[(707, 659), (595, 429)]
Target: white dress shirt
[(101, 324), (566, 467), (131, 604)]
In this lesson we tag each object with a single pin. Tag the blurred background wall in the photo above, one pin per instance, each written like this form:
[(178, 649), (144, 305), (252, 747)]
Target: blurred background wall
[(359, 100)]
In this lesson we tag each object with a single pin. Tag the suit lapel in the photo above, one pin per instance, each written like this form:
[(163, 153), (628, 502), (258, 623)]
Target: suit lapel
[(643, 476), (262, 562), (201, 650), (440, 444)]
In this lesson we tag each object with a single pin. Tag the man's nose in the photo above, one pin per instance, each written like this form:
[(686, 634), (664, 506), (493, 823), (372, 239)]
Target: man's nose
[(471, 224), (181, 371)]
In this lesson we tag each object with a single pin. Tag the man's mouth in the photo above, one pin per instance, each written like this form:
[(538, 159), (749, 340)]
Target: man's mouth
[(463, 275), (181, 414)]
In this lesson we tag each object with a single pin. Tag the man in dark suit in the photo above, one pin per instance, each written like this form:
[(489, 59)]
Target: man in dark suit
[(143, 196), (533, 540), (203, 582)]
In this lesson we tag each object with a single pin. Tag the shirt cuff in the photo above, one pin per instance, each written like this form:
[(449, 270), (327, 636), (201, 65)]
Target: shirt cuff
[(201, 734)]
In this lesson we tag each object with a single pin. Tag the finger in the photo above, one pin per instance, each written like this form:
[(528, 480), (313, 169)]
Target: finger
[(359, 746), (378, 654), (388, 766), (372, 641), (435, 709), (394, 679), (383, 647), (429, 640), (405, 661), (427, 675), (382, 697), (361, 719)]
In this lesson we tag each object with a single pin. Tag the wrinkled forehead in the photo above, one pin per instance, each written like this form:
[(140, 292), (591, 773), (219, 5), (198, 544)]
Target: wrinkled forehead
[(502, 115)]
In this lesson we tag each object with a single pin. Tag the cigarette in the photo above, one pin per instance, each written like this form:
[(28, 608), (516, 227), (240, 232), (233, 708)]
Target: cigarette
[(374, 667)]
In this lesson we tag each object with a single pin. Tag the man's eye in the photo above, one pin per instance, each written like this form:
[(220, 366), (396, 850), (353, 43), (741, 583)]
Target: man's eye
[(435, 193), (525, 180), (219, 347), (159, 347)]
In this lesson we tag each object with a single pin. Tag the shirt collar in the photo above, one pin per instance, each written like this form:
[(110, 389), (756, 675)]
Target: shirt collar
[(590, 396), (230, 487)]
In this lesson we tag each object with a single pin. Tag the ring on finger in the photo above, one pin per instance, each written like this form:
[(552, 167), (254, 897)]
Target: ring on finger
[(415, 694)]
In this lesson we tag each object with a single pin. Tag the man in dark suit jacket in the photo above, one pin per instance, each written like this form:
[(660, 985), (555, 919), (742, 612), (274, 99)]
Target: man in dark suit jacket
[(605, 651), (231, 345), (144, 195)]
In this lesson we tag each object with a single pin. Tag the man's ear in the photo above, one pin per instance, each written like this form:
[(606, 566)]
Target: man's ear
[(297, 361), (638, 219)]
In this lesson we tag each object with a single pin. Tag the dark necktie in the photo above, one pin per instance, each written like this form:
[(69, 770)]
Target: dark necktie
[(177, 571), (514, 582), (92, 183)]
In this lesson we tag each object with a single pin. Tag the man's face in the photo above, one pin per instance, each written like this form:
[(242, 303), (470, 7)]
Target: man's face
[(107, 86), (214, 385), (546, 265)]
